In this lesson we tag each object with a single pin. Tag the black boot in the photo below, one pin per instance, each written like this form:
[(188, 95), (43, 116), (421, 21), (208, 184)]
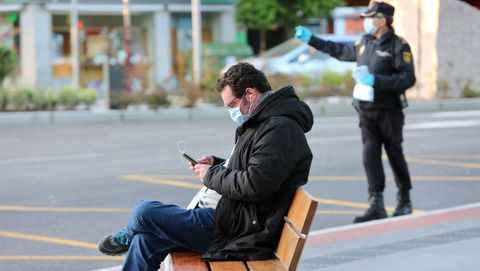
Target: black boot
[(376, 210), (404, 205)]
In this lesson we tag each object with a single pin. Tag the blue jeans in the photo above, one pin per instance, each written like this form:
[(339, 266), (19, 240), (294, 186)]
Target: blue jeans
[(156, 229)]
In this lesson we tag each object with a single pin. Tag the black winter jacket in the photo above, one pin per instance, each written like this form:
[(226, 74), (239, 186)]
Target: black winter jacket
[(271, 158), (389, 58)]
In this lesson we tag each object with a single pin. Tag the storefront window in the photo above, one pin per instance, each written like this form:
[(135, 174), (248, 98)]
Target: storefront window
[(101, 47)]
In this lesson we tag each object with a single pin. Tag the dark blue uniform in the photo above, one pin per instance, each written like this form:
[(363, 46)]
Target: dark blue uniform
[(389, 59)]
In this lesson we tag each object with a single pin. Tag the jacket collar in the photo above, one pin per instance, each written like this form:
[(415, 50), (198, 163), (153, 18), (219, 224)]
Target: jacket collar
[(385, 37)]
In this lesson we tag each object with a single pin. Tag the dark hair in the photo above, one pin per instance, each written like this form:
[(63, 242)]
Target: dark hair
[(389, 20), (241, 76)]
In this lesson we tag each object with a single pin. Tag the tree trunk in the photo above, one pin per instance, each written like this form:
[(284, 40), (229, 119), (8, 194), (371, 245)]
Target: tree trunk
[(263, 40)]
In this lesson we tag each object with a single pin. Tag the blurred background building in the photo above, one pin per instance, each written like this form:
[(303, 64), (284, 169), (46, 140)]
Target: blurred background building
[(161, 38), (444, 36)]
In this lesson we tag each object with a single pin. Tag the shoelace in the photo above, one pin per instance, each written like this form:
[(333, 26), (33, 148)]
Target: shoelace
[(121, 238)]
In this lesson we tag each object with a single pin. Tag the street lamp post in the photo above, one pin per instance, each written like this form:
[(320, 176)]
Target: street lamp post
[(75, 55), (127, 45), (196, 41)]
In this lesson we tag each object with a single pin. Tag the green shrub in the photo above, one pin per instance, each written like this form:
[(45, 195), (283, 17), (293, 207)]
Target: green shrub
[(69, 97), (39, 100), (52, 99), (45, 100), (8, 62), (301, 83), (22, 98), (191, 92), (88, 96), (125, 99), (333, 83), (157, 99), (468, 91), (4, 99)]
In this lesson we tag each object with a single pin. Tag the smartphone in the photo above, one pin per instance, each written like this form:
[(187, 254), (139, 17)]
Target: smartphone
[(193, 161)]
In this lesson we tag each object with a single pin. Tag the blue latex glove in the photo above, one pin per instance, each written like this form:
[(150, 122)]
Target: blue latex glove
[(368, 79), (302, 33), (363, 76)]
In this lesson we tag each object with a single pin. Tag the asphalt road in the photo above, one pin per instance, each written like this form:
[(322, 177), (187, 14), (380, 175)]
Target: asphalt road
[(64, 186)]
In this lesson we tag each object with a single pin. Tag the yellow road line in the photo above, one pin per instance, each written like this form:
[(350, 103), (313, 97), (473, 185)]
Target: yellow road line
[(159, 179), (47, 239), (190, 177), (411, 159), (59, 258), (450, 156), (17, 208), (149, 179)]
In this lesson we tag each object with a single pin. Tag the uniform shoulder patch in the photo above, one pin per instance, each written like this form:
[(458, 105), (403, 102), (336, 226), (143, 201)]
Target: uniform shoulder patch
[(357, 42), (407, 57)]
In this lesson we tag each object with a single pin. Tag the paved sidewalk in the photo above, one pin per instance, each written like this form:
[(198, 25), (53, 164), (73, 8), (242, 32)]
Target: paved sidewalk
[(440, 240), (330, 106), (444, 240)]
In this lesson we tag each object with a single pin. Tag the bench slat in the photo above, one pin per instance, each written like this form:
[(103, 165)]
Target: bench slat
[(301, 211), (228, 266), (297, 224), (187, 261), (289, 248), (267, 265)]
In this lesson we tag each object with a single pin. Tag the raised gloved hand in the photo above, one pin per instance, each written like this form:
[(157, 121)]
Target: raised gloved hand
[(302, 33), (363, 76)]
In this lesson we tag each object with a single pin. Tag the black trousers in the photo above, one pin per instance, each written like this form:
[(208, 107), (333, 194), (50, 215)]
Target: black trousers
[(384, 127)]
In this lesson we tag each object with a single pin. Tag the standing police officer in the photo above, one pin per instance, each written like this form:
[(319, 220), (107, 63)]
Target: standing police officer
[(384, 72)]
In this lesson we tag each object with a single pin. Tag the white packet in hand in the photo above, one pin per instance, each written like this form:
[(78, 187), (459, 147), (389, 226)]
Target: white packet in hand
[(363, 93)]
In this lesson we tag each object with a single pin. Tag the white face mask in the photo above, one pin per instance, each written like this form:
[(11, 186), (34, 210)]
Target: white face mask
[(237, 116), (370, 28)]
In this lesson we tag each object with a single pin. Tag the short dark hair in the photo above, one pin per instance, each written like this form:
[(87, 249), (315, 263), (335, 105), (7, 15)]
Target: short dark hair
[(389, 20), (241, 76)]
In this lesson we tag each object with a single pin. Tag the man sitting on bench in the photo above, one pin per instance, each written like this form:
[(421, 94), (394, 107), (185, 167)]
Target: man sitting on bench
[(271, 158)]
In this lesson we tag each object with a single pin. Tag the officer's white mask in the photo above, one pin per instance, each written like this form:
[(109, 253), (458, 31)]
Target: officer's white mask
[(370, 28)]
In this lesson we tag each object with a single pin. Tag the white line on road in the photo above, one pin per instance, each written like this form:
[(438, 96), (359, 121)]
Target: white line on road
[(442, 124), (457, 114), (154, 133), (50, 158)]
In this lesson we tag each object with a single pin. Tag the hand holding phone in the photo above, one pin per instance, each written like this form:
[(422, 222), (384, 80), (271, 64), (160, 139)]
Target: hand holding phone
[(193, 161)]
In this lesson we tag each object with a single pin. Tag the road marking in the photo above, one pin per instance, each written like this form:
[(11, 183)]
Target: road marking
[(441, 124), (150, 179), (17, 208), (449, 156), (411, 159), (156, 133), (353, 204), (47, 239), (190, 177), (457, 114), (52, 158), (59, 258), (390, 178), (157, 178)]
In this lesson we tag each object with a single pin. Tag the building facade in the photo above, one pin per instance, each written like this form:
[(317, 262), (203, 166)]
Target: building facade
[(445, 41), (161, 38)]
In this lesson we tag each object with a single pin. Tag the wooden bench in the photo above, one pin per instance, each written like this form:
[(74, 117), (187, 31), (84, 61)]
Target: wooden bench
[(290, 246)]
